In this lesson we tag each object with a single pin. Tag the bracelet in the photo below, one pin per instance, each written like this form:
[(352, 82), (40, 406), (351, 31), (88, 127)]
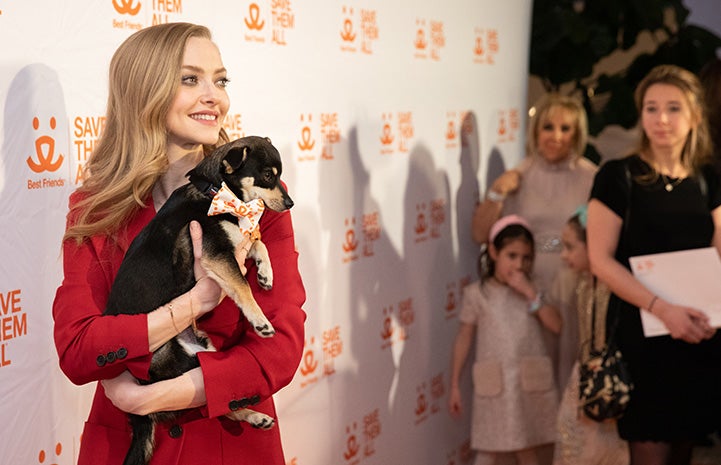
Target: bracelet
[(650, 305), (536, 304), (172, 317), (494, 196)]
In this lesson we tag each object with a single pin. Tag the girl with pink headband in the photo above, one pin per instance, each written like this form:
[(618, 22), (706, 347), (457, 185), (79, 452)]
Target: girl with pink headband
[(515, 398)]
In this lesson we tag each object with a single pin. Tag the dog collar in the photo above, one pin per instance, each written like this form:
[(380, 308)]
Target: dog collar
[(206, 187)]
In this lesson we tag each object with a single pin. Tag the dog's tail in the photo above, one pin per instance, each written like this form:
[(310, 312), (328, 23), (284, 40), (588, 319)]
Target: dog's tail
[(143, 442)]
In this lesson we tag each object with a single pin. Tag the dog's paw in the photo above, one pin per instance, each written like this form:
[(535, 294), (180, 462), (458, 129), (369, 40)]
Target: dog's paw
[(264, 330), (260, 420), (253, 418), (265, 276)]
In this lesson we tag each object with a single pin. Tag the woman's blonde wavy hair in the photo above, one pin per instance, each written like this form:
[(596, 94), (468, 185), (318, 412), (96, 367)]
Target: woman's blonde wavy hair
[(130, 156), (698, 147), (549, 103)]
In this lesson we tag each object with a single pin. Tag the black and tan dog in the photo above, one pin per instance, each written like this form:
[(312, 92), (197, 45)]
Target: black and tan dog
[(158, 265)]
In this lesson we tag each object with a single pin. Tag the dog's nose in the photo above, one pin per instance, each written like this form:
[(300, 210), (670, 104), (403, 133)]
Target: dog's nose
[(288, 202)]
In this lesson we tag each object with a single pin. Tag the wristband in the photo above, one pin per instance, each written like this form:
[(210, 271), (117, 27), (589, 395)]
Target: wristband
[(494, 196), (536, 304)]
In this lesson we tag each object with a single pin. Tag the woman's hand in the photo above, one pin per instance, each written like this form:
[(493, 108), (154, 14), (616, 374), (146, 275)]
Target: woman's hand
[(125, 393), (685, 323), (455, 406), (206, 294), (507, 183)]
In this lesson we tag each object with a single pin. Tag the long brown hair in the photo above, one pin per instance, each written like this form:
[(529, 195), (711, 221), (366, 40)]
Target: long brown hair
[(697, 149), (130, 156)]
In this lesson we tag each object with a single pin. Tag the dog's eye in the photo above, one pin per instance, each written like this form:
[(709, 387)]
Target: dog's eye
[(268, 176)]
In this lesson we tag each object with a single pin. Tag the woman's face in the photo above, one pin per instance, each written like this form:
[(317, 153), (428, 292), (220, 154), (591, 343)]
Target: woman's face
[(516, 256), (556, 135), (666, 117), (574, 252), (201, 102)]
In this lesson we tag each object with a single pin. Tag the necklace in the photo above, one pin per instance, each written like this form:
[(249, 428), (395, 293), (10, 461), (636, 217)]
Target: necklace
[(668, 185)]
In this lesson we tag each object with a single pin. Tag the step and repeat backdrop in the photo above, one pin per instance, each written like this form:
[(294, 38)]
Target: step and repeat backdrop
[(391, 117)]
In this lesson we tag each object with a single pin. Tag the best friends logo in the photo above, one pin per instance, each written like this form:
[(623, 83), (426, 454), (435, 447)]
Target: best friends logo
[(429, 39), (366, 32), (325, 132), (395, 326), (45, 158), (162, 11), (396, 132), (273, 29), (428, 399), (331, 348), (360, 441), (356, 246), (486, 46), (509, 123)]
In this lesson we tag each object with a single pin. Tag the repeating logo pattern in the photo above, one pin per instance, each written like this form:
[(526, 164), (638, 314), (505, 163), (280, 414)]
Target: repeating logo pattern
[(269, 24), (509, 124), (318, 133), (360, 439), (486, 47), (429, 398), (396, 325), (361, 245), (397, 132), (313, 366), (429, 40), (359, 30)]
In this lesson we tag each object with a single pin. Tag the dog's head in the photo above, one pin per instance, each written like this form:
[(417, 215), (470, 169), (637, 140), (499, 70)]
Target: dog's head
[(250, 167)]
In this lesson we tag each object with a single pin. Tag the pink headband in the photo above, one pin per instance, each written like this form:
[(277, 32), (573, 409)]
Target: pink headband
[(504, 222)]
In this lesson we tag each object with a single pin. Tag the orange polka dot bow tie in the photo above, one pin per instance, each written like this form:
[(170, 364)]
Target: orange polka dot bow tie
[(248, 213)]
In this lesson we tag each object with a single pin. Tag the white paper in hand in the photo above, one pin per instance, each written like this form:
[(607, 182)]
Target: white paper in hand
[(687, 277)]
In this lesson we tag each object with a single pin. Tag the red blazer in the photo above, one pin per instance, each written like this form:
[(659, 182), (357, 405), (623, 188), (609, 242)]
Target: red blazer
[(92, 347)]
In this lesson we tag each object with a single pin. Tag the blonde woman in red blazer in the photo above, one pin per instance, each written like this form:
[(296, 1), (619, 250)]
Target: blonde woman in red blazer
[(166, 105)]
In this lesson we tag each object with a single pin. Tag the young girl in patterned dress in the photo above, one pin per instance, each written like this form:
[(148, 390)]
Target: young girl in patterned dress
[(582, 441), (515, 398)]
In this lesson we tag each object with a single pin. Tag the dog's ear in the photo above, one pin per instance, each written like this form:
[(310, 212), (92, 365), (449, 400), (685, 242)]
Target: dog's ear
[(234, 158)]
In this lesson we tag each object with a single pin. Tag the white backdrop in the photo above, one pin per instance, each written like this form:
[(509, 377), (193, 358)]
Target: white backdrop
[(390, 117)]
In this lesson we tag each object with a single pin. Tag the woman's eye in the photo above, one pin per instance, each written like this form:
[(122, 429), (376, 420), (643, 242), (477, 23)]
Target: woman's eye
[(223, 82), (189, 80)]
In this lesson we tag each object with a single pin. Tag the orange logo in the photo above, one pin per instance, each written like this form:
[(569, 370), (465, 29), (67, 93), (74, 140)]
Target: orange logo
[(387, 327), (347, 34), (486, 46), (352, 446), (387, 134), (420, 41), (253, 20), (350, 244), (283, 20), (125, 7), (509, 124), (44, 151)]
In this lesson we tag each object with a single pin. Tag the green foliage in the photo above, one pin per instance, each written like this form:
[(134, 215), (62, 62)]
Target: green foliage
[(568, 38)]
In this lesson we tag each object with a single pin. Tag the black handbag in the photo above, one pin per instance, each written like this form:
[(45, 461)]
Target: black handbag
[(605, 383)]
